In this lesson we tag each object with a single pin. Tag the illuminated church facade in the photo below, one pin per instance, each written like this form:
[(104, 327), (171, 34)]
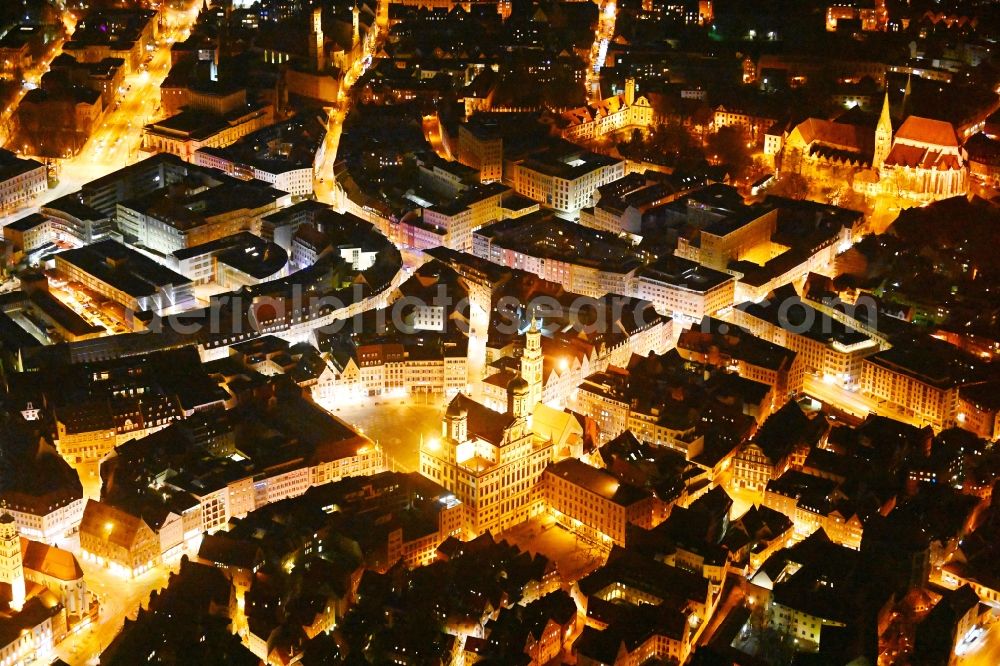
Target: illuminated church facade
[(922, 161)]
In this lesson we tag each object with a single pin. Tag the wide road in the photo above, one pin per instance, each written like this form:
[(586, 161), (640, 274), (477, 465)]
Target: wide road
[(117, 141)]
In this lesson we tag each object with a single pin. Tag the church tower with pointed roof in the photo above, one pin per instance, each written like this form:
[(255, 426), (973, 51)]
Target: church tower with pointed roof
[(883, 135), (905, 108), (922, 160)]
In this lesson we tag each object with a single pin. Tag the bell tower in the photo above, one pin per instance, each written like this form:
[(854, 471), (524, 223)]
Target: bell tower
[(531, 363), (518, 398), (883, 136), (11, 567), (316, 40), (456, 421)]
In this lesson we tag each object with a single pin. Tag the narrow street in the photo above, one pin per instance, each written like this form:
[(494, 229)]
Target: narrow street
[(602, 37), (733, 593), (324, 186)]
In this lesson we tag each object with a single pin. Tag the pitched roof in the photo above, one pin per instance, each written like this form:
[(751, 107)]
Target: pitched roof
[(837, 135), (631, 627), (597, 481), (225, 550), (483, 421), (49, 560), (559, 426), (649, 575), (111, 524), (784, 429), (928, 130), (907, 155)]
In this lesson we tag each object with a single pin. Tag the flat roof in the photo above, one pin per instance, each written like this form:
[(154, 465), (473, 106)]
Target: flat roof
[(189, 209), (558, 164), (787, 310), (736, 219), (684, 273), (11, 165), (259, 259), (241, 239), (539, 234), (454, 168), (514, 201), (939, 365), (27, 222), (469, 197), (278, 147), (308, 207), (122, 268)]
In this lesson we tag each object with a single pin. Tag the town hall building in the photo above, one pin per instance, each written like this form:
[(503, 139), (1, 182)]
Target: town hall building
[(493, 461)]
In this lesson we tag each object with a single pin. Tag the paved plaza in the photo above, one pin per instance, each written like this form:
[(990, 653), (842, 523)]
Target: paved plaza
[(397, 425)]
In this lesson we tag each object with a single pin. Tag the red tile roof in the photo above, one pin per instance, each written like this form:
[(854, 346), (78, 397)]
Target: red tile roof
[(929, 131), (49, 560), (916, 156)]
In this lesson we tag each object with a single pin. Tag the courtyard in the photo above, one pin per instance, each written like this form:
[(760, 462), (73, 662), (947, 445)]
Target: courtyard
[(575, 557)]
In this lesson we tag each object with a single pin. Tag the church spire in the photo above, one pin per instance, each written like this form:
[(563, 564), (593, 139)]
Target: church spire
[(904, 111), (883, 135), (885, 116)]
